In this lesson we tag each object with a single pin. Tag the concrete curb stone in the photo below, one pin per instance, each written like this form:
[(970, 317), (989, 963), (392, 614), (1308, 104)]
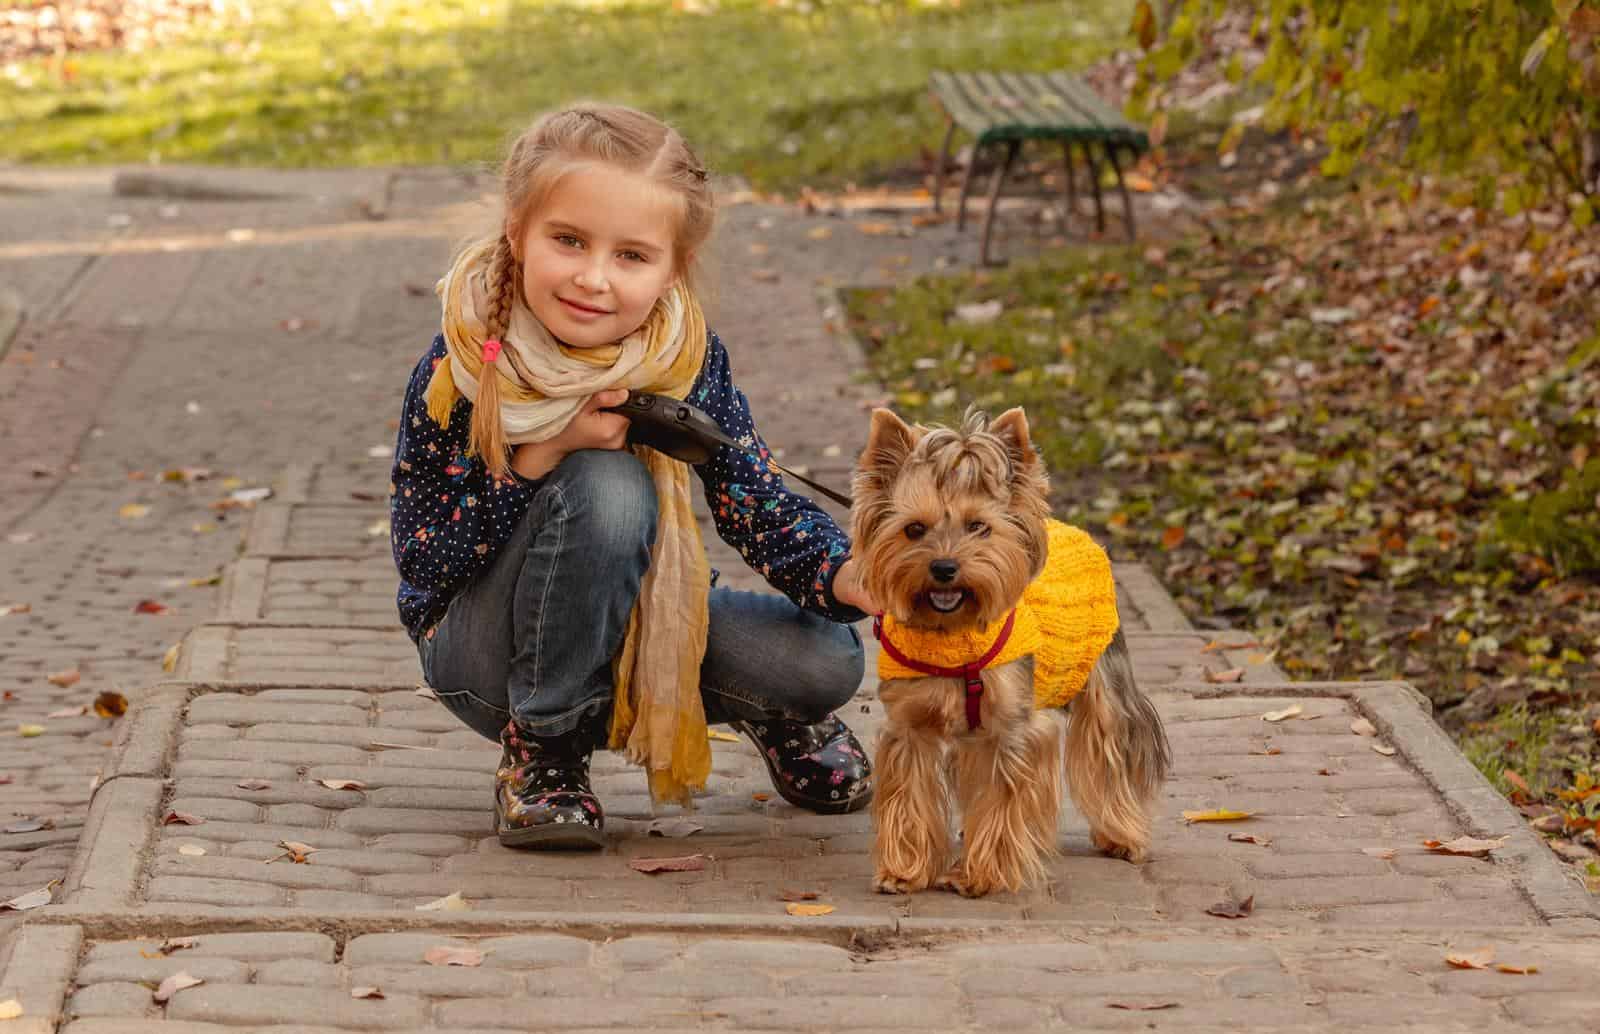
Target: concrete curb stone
[(38, 973)]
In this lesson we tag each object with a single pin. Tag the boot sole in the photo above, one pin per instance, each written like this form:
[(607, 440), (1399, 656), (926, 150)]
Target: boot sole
[(566, 837), (856, 803)]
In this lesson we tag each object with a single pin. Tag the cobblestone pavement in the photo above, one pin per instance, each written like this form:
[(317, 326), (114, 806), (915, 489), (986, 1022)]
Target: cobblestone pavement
[(264, 342)]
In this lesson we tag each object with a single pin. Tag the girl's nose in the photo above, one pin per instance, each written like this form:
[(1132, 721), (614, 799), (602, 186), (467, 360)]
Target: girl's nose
[(592, 277)]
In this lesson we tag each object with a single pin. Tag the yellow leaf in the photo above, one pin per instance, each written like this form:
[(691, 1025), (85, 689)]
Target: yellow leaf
[(1277, 716), (1463, 638), (1218, 815), (1507, 967), (169, 660), (718, 734), (1479, 959), (820, 233), (801, 908), (10, 1009), (30, 731), (133, 511)]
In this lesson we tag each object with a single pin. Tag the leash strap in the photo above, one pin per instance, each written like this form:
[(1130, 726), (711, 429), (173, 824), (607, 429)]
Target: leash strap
[(968, 672)]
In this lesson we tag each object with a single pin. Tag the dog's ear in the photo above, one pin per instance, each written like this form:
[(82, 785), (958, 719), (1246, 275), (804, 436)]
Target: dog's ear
[(889, 441), (1011, 427)]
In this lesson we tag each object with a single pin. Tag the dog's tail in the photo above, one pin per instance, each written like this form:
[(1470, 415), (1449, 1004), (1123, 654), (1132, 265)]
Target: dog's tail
[(1117, 753)]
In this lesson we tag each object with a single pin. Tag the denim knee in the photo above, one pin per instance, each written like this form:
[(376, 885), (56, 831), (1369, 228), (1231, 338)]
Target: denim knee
[(828, 676), (610, 495)]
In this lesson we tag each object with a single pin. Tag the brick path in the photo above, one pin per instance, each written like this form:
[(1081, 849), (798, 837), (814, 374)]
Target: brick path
[(290, 324)]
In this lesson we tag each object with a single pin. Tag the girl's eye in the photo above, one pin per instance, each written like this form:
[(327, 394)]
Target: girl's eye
[(915, 530), (978, 528), (569, 240), (634, 256)]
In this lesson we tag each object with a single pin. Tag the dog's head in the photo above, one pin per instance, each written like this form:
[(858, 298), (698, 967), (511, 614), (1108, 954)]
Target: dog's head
[(950, 524)]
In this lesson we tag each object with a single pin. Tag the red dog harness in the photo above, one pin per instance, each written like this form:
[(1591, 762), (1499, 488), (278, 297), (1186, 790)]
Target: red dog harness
[(967, 672)]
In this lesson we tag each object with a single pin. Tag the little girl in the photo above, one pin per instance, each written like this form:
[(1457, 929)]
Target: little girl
[(554, 578)]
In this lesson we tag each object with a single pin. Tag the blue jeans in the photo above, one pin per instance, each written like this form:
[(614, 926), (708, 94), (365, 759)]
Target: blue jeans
[(533, 636)]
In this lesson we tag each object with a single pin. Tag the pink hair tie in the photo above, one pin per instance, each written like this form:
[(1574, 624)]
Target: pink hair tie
[(491, 351)]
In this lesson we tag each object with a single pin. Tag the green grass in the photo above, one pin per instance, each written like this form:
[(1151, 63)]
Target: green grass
[(761, 89)]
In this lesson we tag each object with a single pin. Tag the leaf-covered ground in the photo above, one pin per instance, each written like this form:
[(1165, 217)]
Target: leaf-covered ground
[(1363, 425), (782, 92)]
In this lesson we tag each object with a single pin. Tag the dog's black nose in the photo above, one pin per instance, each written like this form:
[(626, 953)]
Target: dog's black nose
[(944, 570)]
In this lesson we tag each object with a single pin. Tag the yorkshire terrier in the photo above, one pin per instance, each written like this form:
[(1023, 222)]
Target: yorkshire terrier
[(995, 618)]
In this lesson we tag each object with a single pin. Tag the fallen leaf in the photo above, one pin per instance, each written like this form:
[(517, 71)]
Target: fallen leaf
[(382, 745), (675, 827), (1507, 967), (1519, 786), (254, 784), (426, 693), (1231, 675), (1142, 1006), (28, 732), (1233, 909), (761, 797), (1291, 711), (1384, 749), (1173, 536), (64, 679), (446, 955), (32, 825), (151, 607), (169, 660), (451, 902), (133, 511), (32, 899), (1362, 727), (1385, 853), (685, 863), (192, 850), (877, 229), (1479, 959), (180, 817), (801, 909), (718, 734), (820, 233), (298, 853), (365, 992), (1218, 815), (980, 312), (1217, 644), (7, 609), (175, 983), (201, 583), (1249, 838), (10, 1009), (343, 784), (1465, 845), (799, 895), (70, 712), (110, 704), (172, 944), (1325, 771)]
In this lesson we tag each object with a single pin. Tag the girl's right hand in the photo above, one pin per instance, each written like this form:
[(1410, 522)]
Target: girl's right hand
[(589, 429)]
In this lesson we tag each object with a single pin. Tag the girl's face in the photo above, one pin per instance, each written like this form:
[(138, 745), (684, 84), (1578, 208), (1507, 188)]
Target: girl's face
[(598, 254)]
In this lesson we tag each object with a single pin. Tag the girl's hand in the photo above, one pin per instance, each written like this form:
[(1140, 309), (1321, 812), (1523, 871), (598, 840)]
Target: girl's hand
[(589, 429), (849, 589)]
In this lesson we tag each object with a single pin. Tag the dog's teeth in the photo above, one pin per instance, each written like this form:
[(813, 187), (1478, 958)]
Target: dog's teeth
[(944, 602)]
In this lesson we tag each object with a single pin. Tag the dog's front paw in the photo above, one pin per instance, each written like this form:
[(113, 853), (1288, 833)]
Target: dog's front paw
[(957, 882), (1135, 853), (885, 882)]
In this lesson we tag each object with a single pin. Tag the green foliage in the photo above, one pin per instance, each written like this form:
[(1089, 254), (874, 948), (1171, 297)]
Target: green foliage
[(1475, 87), (1516, 739), (1563, 524)]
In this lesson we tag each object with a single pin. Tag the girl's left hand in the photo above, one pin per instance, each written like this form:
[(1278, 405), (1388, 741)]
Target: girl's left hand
[(849, 589)]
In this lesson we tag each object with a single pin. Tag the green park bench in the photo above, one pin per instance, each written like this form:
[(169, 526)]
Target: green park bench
[(1008, 108)]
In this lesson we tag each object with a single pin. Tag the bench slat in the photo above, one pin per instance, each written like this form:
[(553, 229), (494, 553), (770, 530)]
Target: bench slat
[(999, 106)]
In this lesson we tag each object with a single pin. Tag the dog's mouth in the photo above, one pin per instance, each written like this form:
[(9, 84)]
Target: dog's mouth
[(946, 601)]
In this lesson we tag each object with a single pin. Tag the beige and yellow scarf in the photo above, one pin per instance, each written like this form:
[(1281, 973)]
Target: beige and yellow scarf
[(657, 718)]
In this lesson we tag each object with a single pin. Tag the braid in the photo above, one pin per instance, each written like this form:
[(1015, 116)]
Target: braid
[(487, 437)]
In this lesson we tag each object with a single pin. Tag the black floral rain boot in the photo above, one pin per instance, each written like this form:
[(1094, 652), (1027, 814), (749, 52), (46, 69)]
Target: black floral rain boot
[(820, 767), (542, 799)]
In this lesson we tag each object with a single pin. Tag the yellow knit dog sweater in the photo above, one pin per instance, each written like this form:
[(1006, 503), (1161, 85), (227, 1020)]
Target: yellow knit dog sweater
[(1066, 620)]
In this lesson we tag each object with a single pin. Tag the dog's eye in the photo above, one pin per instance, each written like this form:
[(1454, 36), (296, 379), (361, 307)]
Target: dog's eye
[(916, 529), (978, 528)]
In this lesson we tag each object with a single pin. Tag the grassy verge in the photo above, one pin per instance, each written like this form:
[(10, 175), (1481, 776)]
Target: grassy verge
[(782, 93), (1360, 428)]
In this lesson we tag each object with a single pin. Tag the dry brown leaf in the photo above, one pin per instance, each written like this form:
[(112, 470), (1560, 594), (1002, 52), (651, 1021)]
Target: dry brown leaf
[(254, 784), (448, 955), (1142, 1006), (1216, 815), (10, 1009), (192, 850), (676, 827), (796, 908), (1231, 675), (1362, 727), (110, 704), (151, 607), (1385, 853), (1465, 845), (31, 825), (180, 818), (7, 609), (69, 712), (1508, 967), (1249, 838), (1217, 644), (683, 863), (366, 992), (64, 679), (297, 852), (343, 784), (133, 511), (1233, 909), (168, 946), (1173, 536), (32, 899), (451, 902), (1278, 716), (799, 895), (1384, 749), (761, 797), (169, 660), (1479, 959), (173, 984)]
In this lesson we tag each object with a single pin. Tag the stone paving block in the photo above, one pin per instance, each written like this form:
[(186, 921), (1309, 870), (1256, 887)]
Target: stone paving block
[(244, 1004), (296, 973)]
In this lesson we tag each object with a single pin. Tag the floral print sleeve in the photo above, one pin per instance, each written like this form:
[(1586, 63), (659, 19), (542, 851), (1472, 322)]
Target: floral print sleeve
[(447, 516), (785, 537)]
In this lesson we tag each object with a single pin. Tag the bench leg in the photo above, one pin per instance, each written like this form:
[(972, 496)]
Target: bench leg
[(1012, 148), (944, 163), (966, 189), (1127, 201), (1094, 181), (1072, 182)]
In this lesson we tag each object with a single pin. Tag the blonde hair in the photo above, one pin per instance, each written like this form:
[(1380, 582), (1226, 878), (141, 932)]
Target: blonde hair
[(556, 144)]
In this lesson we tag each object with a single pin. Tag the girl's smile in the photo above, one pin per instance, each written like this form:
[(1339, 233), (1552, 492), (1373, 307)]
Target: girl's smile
[(598, 254)]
